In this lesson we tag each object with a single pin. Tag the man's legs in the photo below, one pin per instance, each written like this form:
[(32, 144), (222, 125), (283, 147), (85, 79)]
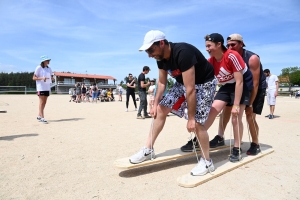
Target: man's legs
[(204, 140), (143, 101), (158, 124), (272, 108), (224, 119), (253, 127)]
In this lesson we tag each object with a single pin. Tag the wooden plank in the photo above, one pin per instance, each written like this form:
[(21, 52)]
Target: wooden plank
[(221, 168), (168, 155)]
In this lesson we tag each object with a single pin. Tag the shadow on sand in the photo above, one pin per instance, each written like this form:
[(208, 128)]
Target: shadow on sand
[(12, 137), (66, 120), (218, 157)]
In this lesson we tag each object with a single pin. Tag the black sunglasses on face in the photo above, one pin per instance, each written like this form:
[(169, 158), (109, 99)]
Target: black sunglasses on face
[(231, 45), (150, 50)]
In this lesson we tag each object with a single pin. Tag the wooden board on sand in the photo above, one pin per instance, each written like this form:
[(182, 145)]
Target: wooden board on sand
[(168, 155), (221, 168)]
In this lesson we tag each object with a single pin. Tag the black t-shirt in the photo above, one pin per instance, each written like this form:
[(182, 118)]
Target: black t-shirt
[(129, 89), (141, 78), (183, 57)]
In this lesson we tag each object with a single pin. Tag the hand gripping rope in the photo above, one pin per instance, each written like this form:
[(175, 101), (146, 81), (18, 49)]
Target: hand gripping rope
[(194, 149)]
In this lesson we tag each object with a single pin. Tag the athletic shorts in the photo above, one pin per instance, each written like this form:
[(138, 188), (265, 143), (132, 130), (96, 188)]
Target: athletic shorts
[(176, 99), (43, 93), (120, 92), (226, 93), (258, 102), (271, 99)]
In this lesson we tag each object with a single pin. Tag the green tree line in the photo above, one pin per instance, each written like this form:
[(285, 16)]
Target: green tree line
[(17, 79), (293, 73)]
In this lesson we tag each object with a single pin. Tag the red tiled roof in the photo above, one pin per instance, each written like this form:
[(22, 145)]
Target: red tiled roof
[(66, 74)]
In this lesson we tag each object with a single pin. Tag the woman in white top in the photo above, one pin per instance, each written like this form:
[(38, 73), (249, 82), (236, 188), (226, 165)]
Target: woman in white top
[(151, 93), (43, 78)]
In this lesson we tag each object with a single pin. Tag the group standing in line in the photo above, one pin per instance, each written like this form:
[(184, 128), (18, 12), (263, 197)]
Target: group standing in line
[(243, 88)]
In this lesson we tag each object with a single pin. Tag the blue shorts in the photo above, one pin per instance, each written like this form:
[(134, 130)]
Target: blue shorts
[(94, 95)]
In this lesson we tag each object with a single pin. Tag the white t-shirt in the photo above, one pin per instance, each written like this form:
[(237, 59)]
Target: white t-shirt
[(151, 87), (41, 85), (271, 82)]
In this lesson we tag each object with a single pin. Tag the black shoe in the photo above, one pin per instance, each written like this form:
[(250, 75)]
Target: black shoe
[(235, 155), (254, 149), (147, 116), (189, 147), (216, 142), (271, 116)]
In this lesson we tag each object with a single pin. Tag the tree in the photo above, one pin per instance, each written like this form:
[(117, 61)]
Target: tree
[(293, 73), (170, 82)]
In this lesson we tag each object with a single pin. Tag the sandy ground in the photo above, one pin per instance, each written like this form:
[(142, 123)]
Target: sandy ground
[(72, 157)]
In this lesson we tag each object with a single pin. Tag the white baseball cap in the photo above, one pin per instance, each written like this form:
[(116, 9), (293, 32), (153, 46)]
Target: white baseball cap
[(151, 37)]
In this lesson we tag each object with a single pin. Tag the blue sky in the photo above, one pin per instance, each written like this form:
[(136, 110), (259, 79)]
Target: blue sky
[(103, 37)]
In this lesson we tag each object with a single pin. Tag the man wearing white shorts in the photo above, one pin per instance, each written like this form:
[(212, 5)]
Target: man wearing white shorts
[(272, 87)]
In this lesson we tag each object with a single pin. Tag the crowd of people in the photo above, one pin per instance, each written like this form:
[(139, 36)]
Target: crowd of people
[(82, 93)]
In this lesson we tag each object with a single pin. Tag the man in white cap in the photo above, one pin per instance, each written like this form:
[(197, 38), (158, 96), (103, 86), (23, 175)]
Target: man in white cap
[(193, 90)]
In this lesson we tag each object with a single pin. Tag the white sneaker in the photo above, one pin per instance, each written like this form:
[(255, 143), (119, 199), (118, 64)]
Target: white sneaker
[(38, 118), (202, 168), (43, 120), (126, 110), (142, 155)]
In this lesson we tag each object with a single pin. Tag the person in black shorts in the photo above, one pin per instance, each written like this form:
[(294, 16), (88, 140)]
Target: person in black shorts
[(83, 92), (142, 85), (130, 91), (235, 42), (43, 77), (193, 91), (236, 80)]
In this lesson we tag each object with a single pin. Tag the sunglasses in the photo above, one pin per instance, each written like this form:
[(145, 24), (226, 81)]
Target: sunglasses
[(231, 45), (151, 50)]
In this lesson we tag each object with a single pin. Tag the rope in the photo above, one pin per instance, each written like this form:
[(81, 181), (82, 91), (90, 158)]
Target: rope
[(202, 153)]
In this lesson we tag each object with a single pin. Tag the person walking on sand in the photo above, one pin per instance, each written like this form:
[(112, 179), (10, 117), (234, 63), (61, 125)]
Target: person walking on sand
[(120, 90), (43, 77), (130, 91), (194, 89), (142, 85), (272, 87)]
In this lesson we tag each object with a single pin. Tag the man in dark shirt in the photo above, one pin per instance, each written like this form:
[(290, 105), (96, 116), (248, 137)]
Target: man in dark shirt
[(142, 93), (235, 42), (191, 95), (130, 91)]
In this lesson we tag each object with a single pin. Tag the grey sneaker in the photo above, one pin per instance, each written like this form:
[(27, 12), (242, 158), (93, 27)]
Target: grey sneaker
[(142, 155), (203, 167)]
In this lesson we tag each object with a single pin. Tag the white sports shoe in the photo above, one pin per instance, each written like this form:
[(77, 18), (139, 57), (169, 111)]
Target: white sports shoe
[(39, 118), (142, 155), (202, 168), (126, 110), (43, 120)]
